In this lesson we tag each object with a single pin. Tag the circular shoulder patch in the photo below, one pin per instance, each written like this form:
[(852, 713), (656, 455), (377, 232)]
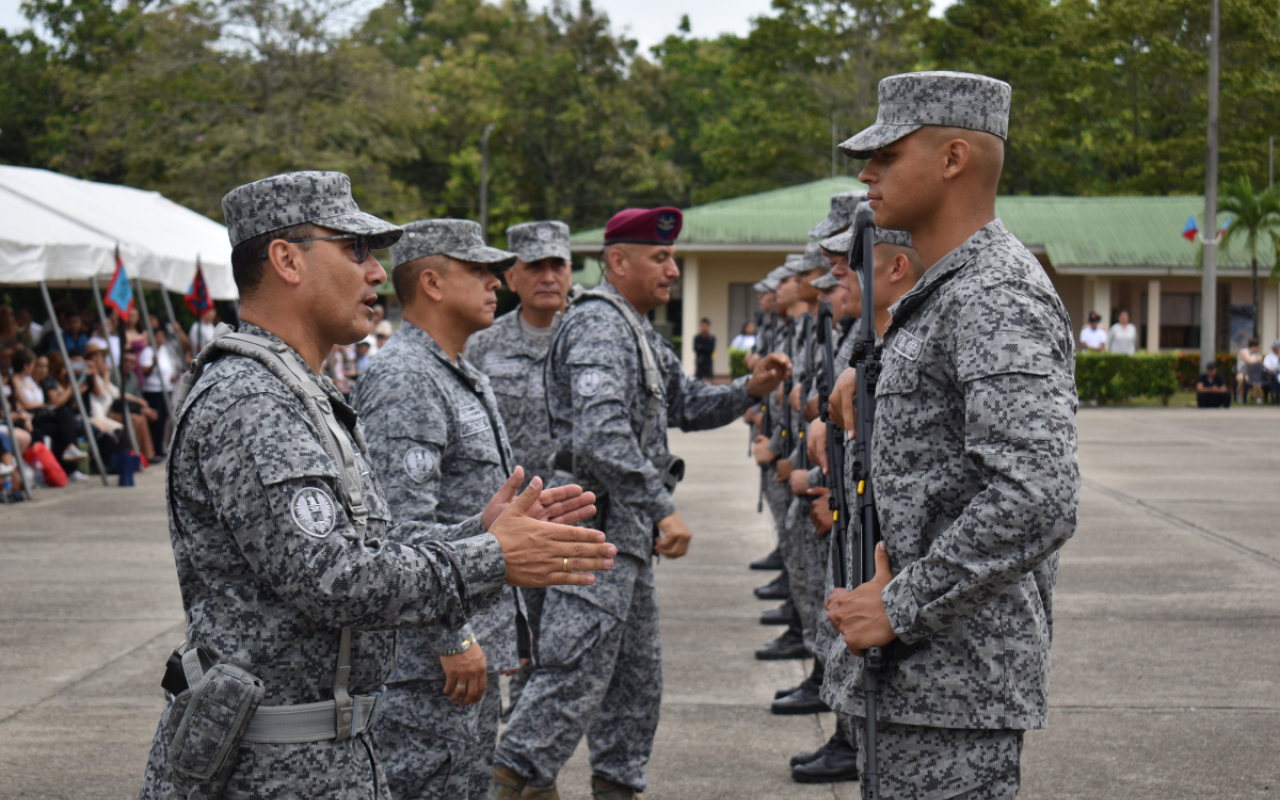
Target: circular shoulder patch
[(589, 382), (419, 464), (313, 512)]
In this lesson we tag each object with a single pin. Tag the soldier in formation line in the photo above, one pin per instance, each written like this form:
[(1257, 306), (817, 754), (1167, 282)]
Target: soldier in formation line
[(294, 575), (973, 458)]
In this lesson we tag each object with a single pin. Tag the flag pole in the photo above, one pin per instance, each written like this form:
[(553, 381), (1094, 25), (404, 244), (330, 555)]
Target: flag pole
[(115, 367)]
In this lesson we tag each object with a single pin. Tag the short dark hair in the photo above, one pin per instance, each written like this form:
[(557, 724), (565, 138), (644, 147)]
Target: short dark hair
[(706, 321), (405, 276), (21, 358), (248, 257), (1211, 366), (1253, 341)]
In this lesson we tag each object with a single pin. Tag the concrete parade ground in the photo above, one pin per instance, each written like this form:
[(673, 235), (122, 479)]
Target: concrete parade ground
[(1166, 659)]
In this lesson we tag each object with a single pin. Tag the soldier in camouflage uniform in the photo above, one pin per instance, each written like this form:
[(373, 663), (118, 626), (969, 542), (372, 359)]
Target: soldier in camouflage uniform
[(973, 457), (513, 351), (613, 388), (289, 564), (440, 448)]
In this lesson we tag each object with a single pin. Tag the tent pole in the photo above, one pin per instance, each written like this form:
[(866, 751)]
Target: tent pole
[(27, 480), (115, 367), (75, 388), (155, 352)]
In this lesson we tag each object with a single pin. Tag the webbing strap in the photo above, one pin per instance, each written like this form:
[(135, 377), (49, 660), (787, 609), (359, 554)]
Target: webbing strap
[(653, 382), (333, 433), (344, 711)]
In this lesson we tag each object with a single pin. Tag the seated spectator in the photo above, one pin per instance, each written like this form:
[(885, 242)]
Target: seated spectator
[(362, 357), (745, 340), (1211, 389), (103, 395), (59, 393), (1123, 338), (12, 445), (138, 406), (335, 368), (1271, 373), (28, 396), (28, 330), (1093, 337), (9, 333), (1249, 375), (73, 333)]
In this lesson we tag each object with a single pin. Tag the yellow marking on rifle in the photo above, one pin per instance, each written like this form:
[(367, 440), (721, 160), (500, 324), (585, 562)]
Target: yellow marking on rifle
[(835, 515), (862, 487)]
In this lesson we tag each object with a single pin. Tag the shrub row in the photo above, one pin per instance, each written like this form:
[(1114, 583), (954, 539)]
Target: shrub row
[(1110, 378), (737, 362)]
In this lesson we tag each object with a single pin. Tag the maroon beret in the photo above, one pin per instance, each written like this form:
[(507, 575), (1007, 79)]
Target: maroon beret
[(644, 226)]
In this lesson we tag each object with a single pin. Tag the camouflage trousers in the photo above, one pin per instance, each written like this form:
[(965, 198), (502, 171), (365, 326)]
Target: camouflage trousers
[(346, 770), (598, 673), (791, 543), (434, 749), (813, 554), (921, 763)]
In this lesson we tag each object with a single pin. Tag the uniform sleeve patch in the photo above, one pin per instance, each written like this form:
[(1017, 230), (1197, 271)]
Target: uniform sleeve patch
[(589, 382), (419, 464), (908, 345), (313, 512)]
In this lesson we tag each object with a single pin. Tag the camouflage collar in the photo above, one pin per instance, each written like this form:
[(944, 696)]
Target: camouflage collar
[(946, 268), (512, 332), (339, 402), (417, 337)]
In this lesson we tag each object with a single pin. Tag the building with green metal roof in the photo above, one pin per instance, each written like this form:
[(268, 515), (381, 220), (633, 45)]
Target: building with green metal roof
[(1102, 253)]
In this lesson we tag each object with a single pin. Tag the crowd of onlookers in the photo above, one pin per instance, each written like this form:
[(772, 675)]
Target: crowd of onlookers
[(346, 363), (124, 368)]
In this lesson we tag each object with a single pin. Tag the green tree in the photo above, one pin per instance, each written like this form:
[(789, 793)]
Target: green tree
[(1255, 216)]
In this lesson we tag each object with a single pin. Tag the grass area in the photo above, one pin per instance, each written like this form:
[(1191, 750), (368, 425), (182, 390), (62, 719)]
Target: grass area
[(1179, 400)]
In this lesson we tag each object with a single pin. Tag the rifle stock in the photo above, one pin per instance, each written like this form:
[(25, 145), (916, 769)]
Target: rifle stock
[(835, 445)]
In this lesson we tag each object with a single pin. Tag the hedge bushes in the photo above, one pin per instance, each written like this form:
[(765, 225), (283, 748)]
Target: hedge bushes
[(737, 362), (1109, 378), (1189, 368)]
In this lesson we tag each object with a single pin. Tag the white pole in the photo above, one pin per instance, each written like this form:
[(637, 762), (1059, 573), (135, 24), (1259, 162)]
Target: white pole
[(1209, 235), (75, 388)]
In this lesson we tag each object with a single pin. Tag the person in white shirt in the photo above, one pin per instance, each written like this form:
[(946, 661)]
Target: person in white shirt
[(157, 373), (202, 331), (1094, 337), (1123, 338), (1271, 373), (745, 340)]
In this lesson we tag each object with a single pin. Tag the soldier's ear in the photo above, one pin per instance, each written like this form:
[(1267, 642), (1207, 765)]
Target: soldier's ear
[(430, 283), (282, 259)]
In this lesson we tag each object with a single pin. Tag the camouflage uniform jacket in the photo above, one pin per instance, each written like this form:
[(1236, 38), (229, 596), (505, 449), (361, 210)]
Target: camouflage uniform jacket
[(514, 364), (439, 445), (976, 479), (781, 436), (597, 402)]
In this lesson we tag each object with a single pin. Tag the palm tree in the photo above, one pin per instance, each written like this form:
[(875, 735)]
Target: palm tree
[(1254, 216)]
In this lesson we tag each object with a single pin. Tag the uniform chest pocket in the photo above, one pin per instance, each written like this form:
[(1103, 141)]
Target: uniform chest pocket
[(513, 386), (899, 378), (479, 448)]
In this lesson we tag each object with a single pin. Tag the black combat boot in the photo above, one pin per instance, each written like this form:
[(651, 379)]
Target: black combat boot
[(839, 763), (780, 589), (813, 755), (806, 699), (778, 616), (788, 645), (771, 561)]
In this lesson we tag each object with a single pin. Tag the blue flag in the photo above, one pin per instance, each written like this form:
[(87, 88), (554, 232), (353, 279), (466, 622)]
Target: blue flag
[(120, 292)]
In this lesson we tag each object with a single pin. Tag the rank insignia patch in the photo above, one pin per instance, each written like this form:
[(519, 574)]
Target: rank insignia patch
[(314, 512)]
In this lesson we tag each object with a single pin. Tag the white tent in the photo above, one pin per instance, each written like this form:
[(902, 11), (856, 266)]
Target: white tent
[(57, 228)]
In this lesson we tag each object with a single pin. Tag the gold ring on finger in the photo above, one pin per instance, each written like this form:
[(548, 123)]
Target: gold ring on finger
[(566, 565)]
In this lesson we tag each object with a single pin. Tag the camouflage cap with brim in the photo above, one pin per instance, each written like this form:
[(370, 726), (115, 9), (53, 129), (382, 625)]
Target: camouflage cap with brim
[(455, 238), (839, 244), (840, 216), (910, 101), (814, 257), (825, 282), (534, 241), (762, 287), (297, 198), (779, 274)]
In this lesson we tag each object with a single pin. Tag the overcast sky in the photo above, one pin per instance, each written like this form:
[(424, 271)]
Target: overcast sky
[(648, 21)]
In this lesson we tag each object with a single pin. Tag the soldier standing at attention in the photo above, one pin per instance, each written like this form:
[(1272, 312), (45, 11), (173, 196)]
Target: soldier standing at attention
[(440, 448), (973, 457), (293, 576), (613, 388), (513, 350)]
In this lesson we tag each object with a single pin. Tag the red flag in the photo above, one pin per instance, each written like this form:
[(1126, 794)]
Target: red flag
[(197, 297)]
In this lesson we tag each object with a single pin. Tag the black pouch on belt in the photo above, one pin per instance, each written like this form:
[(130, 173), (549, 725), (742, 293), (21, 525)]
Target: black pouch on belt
[(207, 723)]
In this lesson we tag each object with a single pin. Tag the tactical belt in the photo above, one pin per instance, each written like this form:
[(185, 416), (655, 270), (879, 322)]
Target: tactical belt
[(310, 722)]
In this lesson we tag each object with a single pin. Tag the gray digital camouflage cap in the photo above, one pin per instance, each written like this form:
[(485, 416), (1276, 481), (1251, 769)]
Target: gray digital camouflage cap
[(814, 258), (534, 241), (825, 282), (762, 287), (456, 238), (843, 206), (779, 274), (910, 101), (841, 241), (794, 265), (295, 198)]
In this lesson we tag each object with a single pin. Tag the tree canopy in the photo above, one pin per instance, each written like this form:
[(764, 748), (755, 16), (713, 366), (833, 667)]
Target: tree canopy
[(194, 98)]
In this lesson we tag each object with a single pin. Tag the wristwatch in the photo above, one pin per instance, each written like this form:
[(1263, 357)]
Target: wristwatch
[(462, 648)]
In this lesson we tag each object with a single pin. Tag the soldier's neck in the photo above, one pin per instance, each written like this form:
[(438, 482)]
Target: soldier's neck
[(307, 343), (536, 318), (449, 333)]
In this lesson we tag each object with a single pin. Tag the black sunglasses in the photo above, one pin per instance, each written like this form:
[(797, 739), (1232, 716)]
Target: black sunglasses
[(360, 249)]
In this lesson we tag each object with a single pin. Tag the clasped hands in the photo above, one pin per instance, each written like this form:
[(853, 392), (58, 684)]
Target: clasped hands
[(859, 615)]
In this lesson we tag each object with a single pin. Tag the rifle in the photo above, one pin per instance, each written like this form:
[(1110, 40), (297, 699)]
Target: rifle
[(751, 429), (766, 424), (835, 444), (801, 427), (867, 362)]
